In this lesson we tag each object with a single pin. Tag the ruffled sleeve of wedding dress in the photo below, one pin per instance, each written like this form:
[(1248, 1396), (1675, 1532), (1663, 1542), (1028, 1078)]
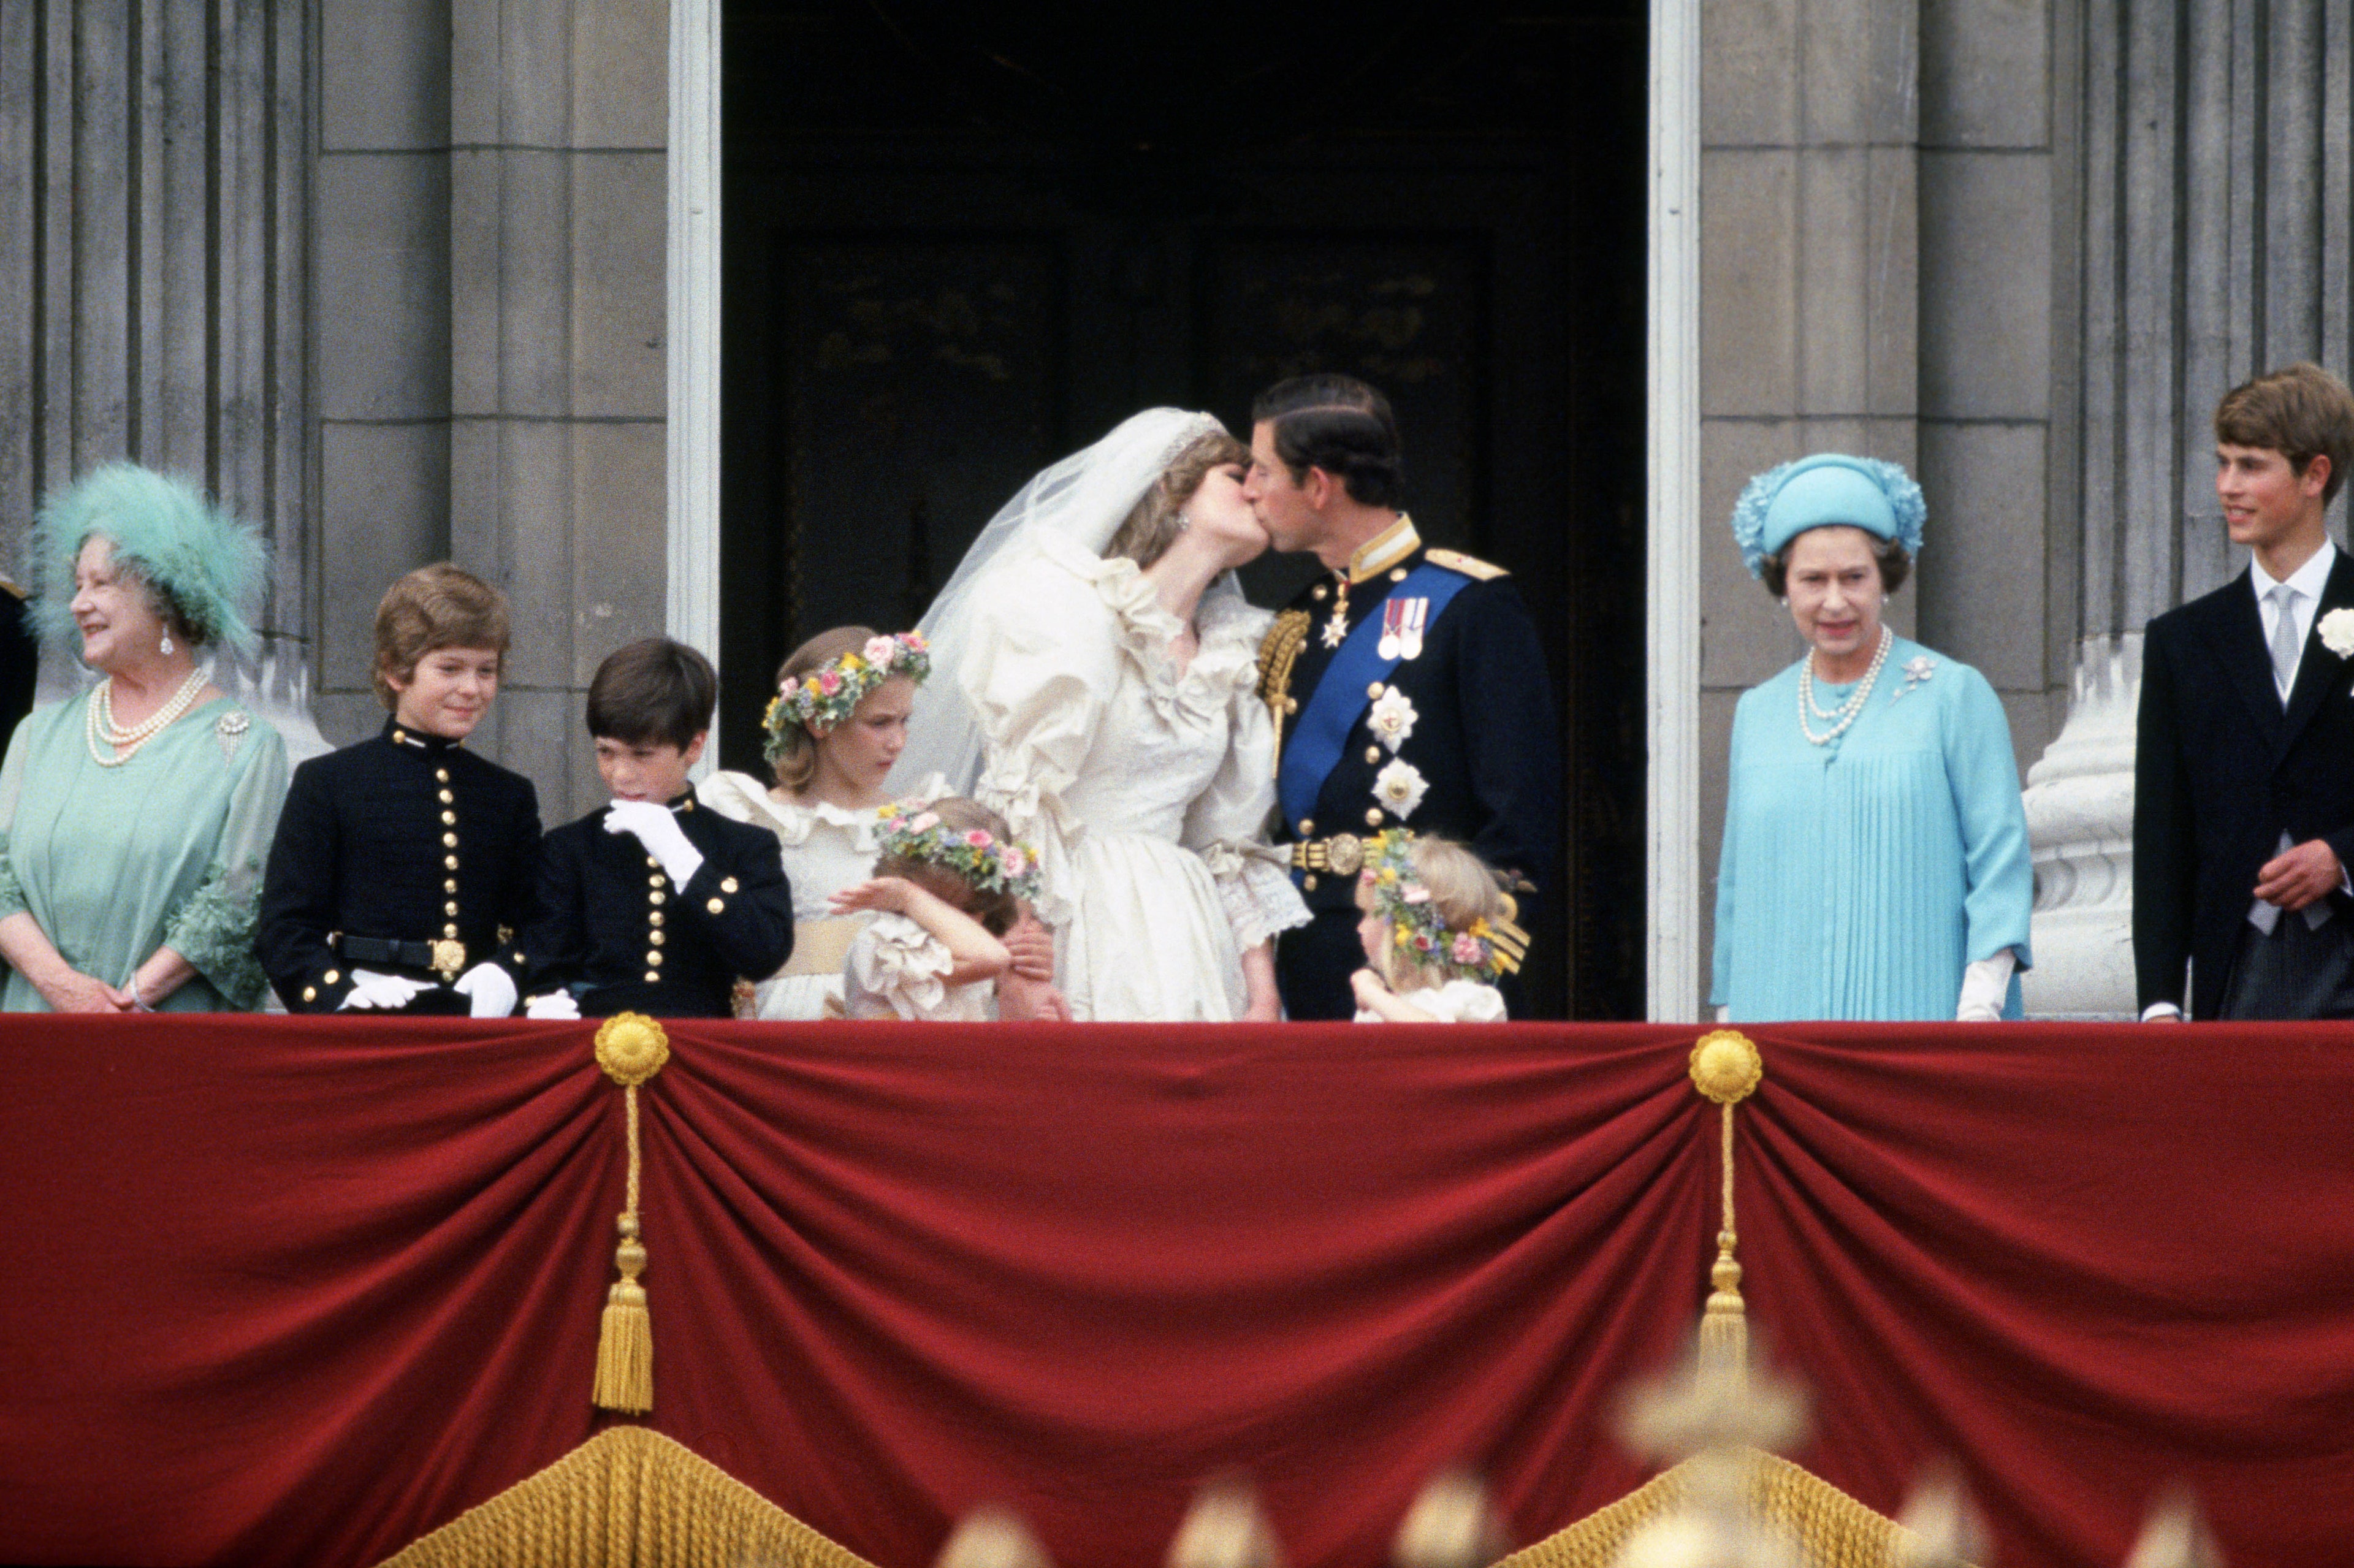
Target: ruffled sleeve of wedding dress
[(1226, 824), (895, 970), (1045, 663)]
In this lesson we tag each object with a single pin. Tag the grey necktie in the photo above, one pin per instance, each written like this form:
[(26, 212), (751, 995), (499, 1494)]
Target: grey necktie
[(2263, 916)]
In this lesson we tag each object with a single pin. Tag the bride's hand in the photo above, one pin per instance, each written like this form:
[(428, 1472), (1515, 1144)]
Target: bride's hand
[(891, 893)]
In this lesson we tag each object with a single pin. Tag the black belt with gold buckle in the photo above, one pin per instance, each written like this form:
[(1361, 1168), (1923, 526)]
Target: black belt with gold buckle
[(445, 955), (1342, 854)]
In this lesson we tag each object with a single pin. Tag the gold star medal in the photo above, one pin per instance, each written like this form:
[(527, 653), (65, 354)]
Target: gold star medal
[(1336, 630)]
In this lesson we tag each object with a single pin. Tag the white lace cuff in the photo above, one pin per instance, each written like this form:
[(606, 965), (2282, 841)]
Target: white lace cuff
[(1256, 893)]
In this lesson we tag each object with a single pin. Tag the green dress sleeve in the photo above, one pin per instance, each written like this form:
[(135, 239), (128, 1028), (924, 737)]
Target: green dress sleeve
[(213, 928)]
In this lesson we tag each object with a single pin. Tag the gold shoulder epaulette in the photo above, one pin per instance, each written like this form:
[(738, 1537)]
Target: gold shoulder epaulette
[(1277, 652), (1470, 565)]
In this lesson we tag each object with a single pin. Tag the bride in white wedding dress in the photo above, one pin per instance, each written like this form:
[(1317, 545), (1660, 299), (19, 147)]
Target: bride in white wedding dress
[(1097, 685)]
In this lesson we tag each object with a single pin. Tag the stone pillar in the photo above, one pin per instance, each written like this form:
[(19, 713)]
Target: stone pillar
[(155, 184), (2217, 146), (492, 214)]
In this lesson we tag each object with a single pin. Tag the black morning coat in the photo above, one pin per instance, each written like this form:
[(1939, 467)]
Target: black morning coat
[(1483, 741), (2221, 772), (364, 848), (621, 938)]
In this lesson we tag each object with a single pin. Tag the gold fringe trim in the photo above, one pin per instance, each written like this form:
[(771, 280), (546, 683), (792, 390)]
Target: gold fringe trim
[(627, 1496), (1830, 1528)]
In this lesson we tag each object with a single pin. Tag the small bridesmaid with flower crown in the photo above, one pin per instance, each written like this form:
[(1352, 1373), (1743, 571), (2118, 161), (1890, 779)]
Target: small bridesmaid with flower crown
[(1437, 933), (950, 884), (837, 724)]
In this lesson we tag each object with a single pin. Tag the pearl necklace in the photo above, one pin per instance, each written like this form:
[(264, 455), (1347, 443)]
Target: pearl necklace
[(110, 746), (1848, 712)]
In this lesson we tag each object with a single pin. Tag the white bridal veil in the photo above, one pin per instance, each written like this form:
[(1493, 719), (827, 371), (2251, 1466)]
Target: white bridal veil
[(1083, 499)]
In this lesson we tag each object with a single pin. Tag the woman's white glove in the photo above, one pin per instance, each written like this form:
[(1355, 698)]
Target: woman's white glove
[(1985, 986), (657, 828), (489, 989), (555, 1005), (1724, 1013), (374, 991)]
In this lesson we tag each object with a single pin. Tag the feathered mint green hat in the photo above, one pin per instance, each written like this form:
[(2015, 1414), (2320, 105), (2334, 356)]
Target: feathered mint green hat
[(206, 564), (1818, 492)]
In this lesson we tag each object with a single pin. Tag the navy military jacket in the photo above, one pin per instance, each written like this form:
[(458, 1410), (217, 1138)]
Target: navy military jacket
[(406, 838), (1483, 736), (615, 932)]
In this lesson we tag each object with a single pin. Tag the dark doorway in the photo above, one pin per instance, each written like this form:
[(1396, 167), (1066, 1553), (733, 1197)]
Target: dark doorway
[(964, 240)]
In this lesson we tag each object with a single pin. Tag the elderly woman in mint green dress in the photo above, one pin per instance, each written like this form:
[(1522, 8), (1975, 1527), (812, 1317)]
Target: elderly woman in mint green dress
[(134, 818), (1875, 860)]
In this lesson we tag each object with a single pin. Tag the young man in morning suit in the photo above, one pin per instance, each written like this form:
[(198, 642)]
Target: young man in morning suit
[(2243, 771), (1408, 685)]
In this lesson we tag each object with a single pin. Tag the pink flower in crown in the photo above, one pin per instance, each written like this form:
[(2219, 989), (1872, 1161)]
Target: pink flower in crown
[(828, 681), (1468, 950), (880, 650), (790, 688), (977, 839), (924, 823), (1014, 861), (1422, 942), (1417, 893), (915, 640)]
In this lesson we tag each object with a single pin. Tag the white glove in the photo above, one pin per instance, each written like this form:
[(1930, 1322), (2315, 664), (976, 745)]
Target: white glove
[(1724, 1014), (555, 1005), (657, 828), (1985, 986), (490, 988), (371, 989)]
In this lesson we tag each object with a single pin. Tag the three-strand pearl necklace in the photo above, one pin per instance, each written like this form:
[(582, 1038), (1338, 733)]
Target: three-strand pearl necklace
[(1848, 712), (111, 745)]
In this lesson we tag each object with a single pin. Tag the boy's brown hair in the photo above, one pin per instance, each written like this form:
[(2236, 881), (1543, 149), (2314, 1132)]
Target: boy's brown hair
[(2302, 412), (651, 692), (433, 607), (997, 912)]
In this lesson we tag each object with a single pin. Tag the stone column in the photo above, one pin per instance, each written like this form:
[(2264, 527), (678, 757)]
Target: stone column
[(2217, 146), (155, 183)]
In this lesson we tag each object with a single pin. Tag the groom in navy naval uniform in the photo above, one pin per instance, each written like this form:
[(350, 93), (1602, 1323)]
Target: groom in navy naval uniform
[(2244, 768), (1407, 684)]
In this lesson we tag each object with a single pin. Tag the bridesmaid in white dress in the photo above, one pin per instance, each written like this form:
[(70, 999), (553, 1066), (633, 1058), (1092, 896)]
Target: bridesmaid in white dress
[(829, 800), (1103, 699)]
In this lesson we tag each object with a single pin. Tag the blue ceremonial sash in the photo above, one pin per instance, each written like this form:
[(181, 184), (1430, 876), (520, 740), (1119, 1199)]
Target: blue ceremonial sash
[(1314, 749)]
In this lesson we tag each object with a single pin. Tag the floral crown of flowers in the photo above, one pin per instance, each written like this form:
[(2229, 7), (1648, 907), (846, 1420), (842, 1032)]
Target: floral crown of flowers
[(1481, 951), (830, 694), (989, 864)]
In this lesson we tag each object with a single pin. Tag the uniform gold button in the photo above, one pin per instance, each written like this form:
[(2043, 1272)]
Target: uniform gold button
[(1372, 754), (1320, 591), (716, 905), (450, 862), (450, 932), (447, 799), (1374, 691), (442, 774), (334, 975), (449, 819), (310, 993), (655, 880), (449, 841), (654, 862), (451, 910), (655, 918), (726, 884), (653, 957), (1307, 826), (450, 885), (652, 977), (1373, 816), (1308, 881), (1397, 574), (655, 937), (401, 736), (654, 897)]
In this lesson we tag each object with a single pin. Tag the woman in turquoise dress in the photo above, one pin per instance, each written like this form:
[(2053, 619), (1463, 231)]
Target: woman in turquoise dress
[(134, 818), (1875, 860)]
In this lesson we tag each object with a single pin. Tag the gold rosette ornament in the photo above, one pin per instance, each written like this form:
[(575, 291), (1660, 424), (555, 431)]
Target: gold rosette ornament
[(630, 1048), (1726, 1069)]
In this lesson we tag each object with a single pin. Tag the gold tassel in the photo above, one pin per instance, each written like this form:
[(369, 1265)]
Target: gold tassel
[(630, 1048), (1726, 1069)]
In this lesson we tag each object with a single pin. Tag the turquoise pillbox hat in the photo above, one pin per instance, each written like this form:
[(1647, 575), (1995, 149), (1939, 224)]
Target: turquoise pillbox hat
[(1822, 491)]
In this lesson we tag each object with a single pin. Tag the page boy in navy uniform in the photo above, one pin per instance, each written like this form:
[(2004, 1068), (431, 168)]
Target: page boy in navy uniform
[(1408, 685), (403, 865), (654, 903)]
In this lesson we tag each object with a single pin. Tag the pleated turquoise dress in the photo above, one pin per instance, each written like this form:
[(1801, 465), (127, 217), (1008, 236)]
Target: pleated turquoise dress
[(1859, 877)]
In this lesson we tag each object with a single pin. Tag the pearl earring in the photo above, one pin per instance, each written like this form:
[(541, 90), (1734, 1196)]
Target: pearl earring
[(1183, 522), (168, 641)]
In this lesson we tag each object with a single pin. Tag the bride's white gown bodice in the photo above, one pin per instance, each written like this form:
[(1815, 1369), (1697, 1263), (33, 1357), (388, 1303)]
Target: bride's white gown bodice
[(1146, 791)]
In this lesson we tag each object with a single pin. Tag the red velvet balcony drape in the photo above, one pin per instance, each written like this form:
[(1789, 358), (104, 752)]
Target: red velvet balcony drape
[(288, 1291)]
